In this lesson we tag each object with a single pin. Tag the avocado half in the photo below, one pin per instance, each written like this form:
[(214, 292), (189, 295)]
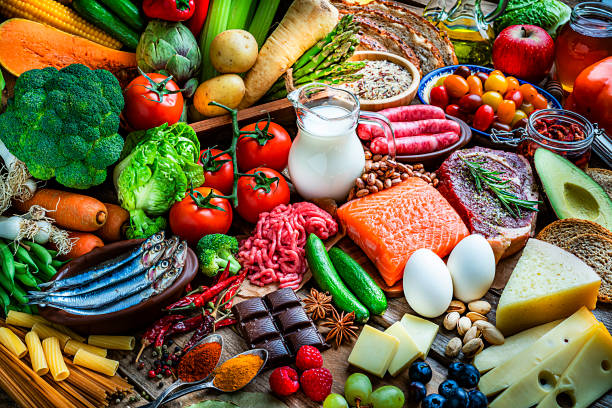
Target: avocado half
[(571, 192)]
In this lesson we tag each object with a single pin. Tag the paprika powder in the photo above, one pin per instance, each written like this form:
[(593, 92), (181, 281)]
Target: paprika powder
[(237, 372), (198, 363)]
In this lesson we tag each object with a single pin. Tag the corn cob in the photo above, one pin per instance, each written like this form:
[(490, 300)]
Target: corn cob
[(56, 15)]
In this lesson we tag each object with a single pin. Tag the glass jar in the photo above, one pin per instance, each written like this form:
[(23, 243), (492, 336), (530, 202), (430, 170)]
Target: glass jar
[(586, 39)]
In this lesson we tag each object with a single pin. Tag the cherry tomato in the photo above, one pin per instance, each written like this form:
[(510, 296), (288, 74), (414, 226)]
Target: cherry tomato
[(462, 71), (438, 96), (440, 81), (218, 173), (505, 111), (492, 98), (501, 126), (470, 102), (475, 85), (453, 110), (513, 83), (497, 83), (269, 149), (192, 217), (149, 103), (518, 115), (261, 193), (483, 118), (527, 108), (496, 72), (528, 91), (482, 76), (456, 86), (539, 102), (515, 96)]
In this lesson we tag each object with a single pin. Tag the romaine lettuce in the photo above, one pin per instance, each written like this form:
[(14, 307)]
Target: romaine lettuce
[(548, 14)]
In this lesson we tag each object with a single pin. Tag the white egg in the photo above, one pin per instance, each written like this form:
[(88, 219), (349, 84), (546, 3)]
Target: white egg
[(472, 267), (428, 287)]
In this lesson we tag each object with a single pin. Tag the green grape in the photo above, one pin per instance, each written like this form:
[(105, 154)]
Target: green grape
[(357, 388), (388, 396), (335, 401)]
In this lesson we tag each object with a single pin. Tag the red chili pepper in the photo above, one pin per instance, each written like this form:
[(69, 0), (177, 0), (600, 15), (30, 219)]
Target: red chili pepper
[(227, 298), (151, 333), (187, 325), (188, 288), (215, 290), (161, 336), (204, 329), (224, 322), (169, 10), (196, 22), (223, 275), (185, 301)]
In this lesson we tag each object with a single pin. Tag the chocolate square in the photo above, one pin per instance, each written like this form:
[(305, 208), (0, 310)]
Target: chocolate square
[(292, 319), (308, 336), (282, 299), (259, 329), (278, 353), (250, 309)]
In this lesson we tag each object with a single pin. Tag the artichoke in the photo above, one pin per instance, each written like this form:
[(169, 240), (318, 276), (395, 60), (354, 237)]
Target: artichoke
[(169, 48)]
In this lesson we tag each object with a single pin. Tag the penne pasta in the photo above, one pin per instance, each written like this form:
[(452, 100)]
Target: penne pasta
[(15, 318), (55, 359), (72, 346), (67, 330), (45, 331), (112, 342), (37, 355), (12, 342), (96, 363)]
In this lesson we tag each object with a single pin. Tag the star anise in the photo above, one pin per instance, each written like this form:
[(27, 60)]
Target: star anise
[(318, 304), (342, 327)]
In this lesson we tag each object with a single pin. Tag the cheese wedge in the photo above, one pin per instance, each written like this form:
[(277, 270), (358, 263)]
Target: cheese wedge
[(506, 374), (493, 356), (547, 284), (407, 350), (588, 377), (539, 381), (373, 351), (421, 331)]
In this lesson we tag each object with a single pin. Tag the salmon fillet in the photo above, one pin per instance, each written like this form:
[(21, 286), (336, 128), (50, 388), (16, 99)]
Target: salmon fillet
[(390, 225)]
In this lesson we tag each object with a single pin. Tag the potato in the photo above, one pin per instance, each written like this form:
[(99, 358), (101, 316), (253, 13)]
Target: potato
[(233, 51), (225, 89)]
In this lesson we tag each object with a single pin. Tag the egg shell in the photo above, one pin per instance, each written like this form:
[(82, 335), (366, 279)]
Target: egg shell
[(428, 286), (472, 267)]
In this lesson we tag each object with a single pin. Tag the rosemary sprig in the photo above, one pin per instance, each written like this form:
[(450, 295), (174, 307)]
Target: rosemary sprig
[(499, 187)]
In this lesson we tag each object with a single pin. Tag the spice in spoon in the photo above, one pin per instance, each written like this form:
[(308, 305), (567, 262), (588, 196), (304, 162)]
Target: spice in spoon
[(235, 373), (199, 362)]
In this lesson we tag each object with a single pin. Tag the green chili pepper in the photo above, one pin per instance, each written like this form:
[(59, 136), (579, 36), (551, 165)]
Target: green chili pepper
[(27, 279), (5, 300), (52, 252), (20, 295), (39, 251), (24, 256), (46, 271), (56, 263), (7, 262)]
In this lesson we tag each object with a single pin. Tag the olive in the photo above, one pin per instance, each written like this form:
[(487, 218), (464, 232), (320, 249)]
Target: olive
[(463, 71), (470, 103), (501, 126)]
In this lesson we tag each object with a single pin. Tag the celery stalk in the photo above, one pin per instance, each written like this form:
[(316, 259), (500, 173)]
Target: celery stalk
[(262, 20), (218, 16), (241, 10)]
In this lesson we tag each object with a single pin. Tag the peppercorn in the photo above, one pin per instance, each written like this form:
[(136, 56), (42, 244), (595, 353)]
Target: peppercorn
[(151, 374), (141, 365), (117, 401), (170, 342), (160, 385), (154, 353)]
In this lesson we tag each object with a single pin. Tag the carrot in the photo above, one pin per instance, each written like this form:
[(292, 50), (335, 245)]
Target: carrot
[(69, 210), (116, 223), (83, 244)]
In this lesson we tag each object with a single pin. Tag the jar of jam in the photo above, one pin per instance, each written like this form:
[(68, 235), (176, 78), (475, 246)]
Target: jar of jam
[(561, 131)]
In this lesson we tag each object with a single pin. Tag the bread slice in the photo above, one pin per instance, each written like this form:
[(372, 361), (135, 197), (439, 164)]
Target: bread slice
[(603, 177), (367, 43), (560, 232), (596, 251)]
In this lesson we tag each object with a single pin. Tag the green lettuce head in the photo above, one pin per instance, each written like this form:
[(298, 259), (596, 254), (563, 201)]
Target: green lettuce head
[(551, 15)]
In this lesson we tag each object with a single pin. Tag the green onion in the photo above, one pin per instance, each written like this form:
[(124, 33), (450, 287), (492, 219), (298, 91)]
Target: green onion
[(216, 22), (263, 20), (242, 11)]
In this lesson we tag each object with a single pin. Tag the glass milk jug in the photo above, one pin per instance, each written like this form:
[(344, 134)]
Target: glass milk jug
[(327, 156)]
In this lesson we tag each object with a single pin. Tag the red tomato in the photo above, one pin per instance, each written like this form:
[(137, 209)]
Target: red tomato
[(218, 173), (438, 97), (515, 96), (149, 102), (269, 149), (528, 91), (456, 86), (539, 102), (261, 193), (470, 102), (191, 221), (483, 118), (453, 110)]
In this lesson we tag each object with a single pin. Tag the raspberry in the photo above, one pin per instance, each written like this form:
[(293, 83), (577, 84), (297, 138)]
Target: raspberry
[(284, 381), (317, 383), (308, 357)]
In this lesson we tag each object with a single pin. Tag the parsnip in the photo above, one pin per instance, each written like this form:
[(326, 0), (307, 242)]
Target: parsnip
[(306, 22)]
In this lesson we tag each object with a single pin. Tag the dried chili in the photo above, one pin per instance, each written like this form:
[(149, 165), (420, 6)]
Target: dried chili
[(150, 335), (214, 291), (225, 322), (206, 327)]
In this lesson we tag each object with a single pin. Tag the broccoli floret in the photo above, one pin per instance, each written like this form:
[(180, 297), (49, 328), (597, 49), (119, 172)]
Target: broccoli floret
[(215, 252), (142, 226), (64, 124)]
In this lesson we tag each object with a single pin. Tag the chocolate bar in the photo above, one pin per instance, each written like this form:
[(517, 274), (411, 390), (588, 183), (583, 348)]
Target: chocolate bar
[(278, 323)]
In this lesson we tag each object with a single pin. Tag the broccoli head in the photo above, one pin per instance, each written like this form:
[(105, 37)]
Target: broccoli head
[(216, 252), (142, 226), (64, 124)]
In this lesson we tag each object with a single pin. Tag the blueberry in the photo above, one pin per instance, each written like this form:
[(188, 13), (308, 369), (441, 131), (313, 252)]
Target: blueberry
[(468, 376), (454, 369), (477, 399), (433, 401), (447, 388), (458, 399), (415, 392), (420, 371)]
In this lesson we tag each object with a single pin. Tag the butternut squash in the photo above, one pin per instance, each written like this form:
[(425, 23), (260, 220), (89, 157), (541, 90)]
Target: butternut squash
[(26, 45)]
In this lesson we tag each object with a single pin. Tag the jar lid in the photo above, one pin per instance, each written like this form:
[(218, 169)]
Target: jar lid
[(593, 19)]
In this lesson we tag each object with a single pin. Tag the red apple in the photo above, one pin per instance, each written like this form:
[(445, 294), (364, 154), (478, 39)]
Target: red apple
[(524, 51)]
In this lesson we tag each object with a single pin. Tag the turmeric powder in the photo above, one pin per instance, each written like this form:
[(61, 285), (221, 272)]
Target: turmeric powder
[(237, 372)]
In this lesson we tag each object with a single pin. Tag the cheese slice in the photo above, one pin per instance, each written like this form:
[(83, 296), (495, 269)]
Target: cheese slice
[(421, 331), (539, 381), (588, 377), (504, 375), (547, 284), (373, 351), (407, 350), (493, 356)]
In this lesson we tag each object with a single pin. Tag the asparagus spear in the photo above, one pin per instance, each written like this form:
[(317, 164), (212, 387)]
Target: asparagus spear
[(315, 49), (333, 71), (328, 49)]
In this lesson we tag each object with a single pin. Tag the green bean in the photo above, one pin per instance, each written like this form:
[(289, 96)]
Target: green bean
[(24, 256), (46, 271), (20, 295), (39, 251), (27, 279), (5, 300), (7, 261)]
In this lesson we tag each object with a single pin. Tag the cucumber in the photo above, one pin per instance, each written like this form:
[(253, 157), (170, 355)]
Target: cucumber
[(126, 11), (327, 278), (359, 281), (96, 14)]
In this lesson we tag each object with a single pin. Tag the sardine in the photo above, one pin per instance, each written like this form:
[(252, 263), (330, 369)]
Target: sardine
[(105, 267), (180, 255)]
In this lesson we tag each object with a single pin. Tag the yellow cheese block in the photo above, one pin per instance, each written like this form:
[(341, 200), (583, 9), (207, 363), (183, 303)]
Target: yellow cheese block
[(539, 381), (421, 331), (504, 375), (588, 377), (547, 284), (373, 351), (407, 350), (493, 356)]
